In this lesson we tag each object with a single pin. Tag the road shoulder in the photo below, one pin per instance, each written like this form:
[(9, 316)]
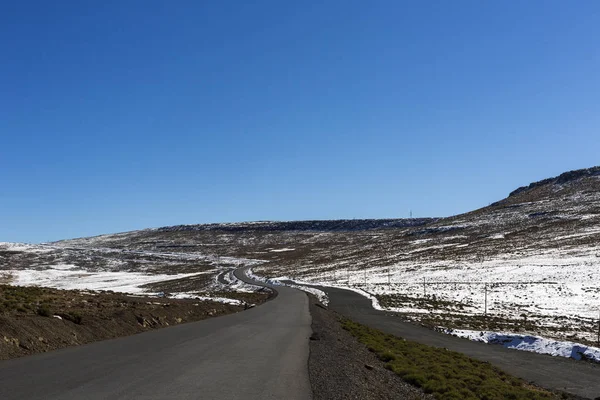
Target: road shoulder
[(342, 368)]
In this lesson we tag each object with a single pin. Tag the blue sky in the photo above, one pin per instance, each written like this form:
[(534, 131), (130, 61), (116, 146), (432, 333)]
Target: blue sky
[(121, 115)]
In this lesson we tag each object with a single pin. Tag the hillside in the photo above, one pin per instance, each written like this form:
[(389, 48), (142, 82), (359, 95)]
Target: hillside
[(536, 252)]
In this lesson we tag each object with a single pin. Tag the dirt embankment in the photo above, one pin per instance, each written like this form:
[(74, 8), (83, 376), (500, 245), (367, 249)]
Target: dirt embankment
[(35, 320)]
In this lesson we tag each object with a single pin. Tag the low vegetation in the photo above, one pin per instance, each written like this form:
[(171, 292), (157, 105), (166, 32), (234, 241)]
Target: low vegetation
[(426, 303), (23, 300), (443, 373)]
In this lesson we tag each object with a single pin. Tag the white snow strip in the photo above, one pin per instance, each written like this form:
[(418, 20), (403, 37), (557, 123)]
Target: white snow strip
[(321, 295), (68, 278), (188, 295), (233, 283), (25, 247), (535, 344)]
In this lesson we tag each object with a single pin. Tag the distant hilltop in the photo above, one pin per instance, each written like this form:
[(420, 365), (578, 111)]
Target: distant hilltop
[(316, 225), (562, 178)]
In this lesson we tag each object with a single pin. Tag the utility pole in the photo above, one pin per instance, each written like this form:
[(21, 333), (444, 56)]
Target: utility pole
[(485, 312), (365, 272), (598, 328), (481, 260), (389, 281)]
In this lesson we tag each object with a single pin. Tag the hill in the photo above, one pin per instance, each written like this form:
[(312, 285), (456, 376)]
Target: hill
[(535, 253)]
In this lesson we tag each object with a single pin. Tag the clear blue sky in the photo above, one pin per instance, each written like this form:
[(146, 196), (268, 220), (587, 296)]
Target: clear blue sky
[(121, 115)]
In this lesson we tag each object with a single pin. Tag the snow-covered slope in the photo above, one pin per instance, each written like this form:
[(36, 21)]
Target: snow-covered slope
[(536, 254)]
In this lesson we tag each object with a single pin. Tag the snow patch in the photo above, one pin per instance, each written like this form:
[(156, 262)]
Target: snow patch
[(195, 296), (286, 281), (535, 344), (67, 278), (281, 250), (234, 284)]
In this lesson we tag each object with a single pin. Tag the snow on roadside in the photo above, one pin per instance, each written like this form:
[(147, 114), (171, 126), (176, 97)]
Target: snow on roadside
[(187, 295), (234, 284), (303, 285), (279, 281), (535, 344), (321, 295), (374, 302)]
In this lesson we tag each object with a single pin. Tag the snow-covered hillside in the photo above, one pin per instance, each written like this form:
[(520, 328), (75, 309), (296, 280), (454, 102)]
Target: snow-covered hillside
[(63, 266), (536, 254)]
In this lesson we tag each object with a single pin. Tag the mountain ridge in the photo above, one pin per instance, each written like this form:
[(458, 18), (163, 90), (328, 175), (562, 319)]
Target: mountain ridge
[(565, 177), (363, 224), (548, 233)]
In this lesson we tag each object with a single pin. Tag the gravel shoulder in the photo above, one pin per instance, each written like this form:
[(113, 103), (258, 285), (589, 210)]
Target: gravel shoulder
[(554, 373), (342, 368)]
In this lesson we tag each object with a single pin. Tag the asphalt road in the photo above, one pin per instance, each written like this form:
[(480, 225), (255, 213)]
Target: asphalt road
[(261, 353), (221, 276), (580, 378)]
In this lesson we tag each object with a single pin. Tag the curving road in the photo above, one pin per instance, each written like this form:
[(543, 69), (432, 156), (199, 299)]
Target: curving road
[(261, 353), (580, 378)]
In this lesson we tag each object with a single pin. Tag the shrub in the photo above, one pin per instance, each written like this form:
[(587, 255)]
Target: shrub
[(75, 318), (44, 311), (386, 356)]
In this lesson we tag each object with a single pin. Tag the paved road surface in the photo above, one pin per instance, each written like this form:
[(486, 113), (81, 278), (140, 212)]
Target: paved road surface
[(221, 276), (261, 353), (579, 378)]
